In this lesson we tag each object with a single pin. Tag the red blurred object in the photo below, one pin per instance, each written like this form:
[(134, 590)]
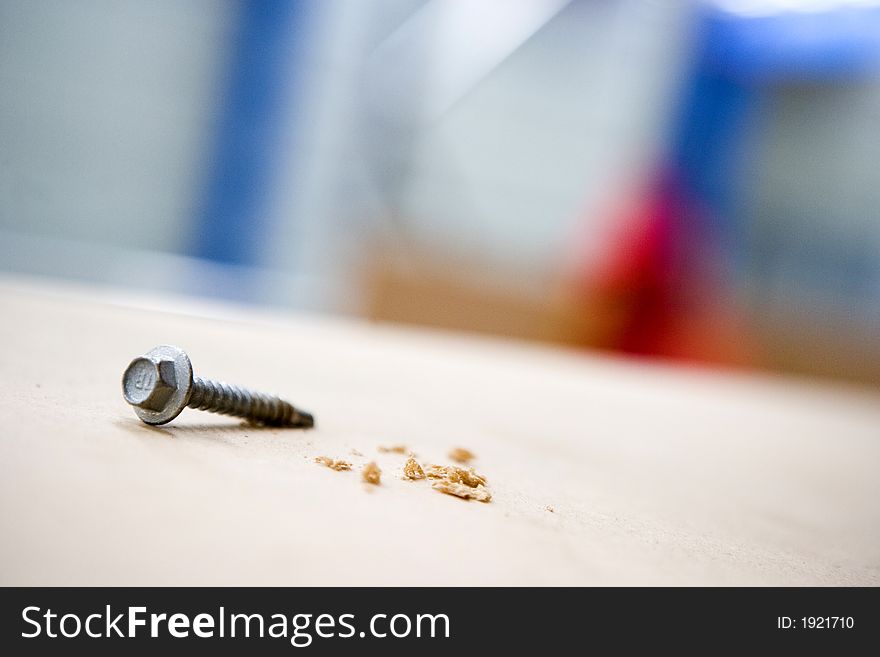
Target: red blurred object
[(658, 275)]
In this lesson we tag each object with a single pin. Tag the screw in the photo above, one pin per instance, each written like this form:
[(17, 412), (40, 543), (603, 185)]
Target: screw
[(160, 384)]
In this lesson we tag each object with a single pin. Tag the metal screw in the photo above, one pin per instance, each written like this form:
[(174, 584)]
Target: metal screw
[(160, 384)]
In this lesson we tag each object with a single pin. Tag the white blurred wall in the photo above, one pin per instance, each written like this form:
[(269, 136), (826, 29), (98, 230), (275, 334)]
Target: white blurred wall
[(105, 117), (108, 113)]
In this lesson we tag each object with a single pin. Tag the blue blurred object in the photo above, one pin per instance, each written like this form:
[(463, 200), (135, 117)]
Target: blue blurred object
[(779, 46), (774, 158), (232, 223), (741, 60)]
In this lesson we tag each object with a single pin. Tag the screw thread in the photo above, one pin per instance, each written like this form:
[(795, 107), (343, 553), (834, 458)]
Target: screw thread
[(256, 407)]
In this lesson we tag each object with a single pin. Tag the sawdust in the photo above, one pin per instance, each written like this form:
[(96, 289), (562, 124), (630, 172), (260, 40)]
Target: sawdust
[(461, 482), (462, 455), (371, 473), (334, 464), (465, 483), (395, 449), (456, 475), (412, 470), (479, 493)]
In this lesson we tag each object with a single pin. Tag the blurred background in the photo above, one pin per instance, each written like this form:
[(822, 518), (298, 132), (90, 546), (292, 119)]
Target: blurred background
[(690, 180)]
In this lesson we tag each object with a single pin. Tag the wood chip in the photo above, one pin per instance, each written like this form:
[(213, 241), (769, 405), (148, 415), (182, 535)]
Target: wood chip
[(456, 475), (396, 449), (412, 470), (479, 493), (333, 464), (371, 473), (435, 471), (461, 455)]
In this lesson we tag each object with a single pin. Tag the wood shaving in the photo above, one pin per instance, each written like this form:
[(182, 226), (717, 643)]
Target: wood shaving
[(396, 449), (371, 473), (450, 479), (456, 475), (412, 470), (435, 472), (479, 493), (461, 455), (355, 452), (550, 509), (461, 482), (333, 464)]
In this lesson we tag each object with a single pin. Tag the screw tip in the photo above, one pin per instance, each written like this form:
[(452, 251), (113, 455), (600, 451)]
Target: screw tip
[(307, 420)]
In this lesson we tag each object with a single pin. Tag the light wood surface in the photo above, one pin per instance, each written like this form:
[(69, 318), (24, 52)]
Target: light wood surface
[(655, 474)]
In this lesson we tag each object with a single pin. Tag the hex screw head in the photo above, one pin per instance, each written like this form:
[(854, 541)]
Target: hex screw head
[(160, 384), (148, 383)]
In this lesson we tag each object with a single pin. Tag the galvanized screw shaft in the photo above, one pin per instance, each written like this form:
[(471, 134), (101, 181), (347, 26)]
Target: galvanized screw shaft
[(160, 384), (219, 397)]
